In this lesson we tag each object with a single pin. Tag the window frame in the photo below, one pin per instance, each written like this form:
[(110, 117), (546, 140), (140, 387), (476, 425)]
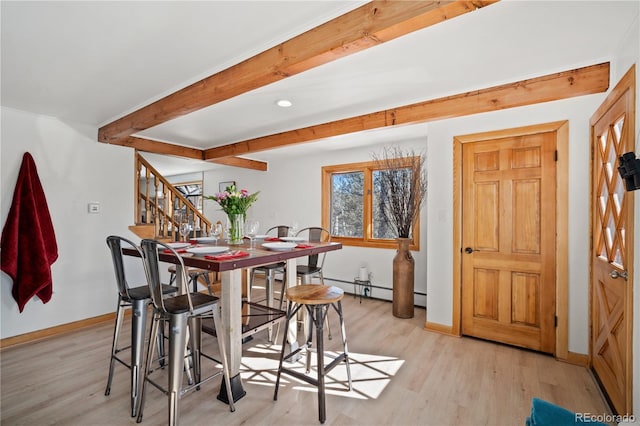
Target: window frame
[(367, 240)]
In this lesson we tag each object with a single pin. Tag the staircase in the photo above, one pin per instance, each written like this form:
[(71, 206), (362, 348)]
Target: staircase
[(160, 208)]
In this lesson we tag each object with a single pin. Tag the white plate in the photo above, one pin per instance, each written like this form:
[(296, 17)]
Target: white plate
[(208, 250), (178, 246), (206, 240), (260, 237), (292, 239), (279, 246)]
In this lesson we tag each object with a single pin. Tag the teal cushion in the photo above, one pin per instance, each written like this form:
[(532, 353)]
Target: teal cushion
[(544, 413)]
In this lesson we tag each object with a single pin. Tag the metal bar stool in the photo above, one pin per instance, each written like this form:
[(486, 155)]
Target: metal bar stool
[(194, 275), (138, 299), (184, 313), (316, 299), (270, 271)]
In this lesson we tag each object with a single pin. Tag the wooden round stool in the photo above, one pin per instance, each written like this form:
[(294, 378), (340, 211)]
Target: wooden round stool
[(316, 299)]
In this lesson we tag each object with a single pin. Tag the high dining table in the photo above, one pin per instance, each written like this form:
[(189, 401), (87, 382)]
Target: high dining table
[(231, 271)]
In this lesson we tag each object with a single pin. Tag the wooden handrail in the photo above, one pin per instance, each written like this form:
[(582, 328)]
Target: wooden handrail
[(159, 203)]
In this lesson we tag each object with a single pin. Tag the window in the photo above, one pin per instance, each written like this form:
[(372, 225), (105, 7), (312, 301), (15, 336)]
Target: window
[(351, 207), (192, 191)]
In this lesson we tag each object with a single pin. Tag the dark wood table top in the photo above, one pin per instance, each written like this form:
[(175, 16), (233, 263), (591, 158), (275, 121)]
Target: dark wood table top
[(257, 256)]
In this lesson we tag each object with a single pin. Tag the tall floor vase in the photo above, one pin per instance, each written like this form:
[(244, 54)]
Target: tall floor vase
[(403, 277)]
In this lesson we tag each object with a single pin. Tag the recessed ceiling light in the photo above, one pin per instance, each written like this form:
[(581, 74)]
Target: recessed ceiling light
[(284, 103)]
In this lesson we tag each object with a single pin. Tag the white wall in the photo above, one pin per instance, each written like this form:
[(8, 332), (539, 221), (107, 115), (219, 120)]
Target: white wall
[(290, 191), (74, 169)]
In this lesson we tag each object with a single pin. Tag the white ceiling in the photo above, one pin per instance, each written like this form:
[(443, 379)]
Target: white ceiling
[(92, 62)]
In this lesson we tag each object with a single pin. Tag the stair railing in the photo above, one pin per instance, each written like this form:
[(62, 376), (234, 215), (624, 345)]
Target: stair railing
[(160, 204)]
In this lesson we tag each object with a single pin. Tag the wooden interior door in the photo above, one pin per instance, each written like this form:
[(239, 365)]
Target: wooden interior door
[(612, 242), (508, 240)]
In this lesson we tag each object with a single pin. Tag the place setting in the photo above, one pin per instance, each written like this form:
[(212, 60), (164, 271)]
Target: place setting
[(218, 253), (207, 251), (287, 245), (279, 246), (288, 242), (213, 238)]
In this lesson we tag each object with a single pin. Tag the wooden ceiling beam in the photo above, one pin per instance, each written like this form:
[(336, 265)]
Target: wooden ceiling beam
[(163, 148), (577, 82), (369, 25), (245, 163), (157, 147)]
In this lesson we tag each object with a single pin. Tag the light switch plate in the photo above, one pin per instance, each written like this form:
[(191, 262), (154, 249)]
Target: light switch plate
[(94, 207)]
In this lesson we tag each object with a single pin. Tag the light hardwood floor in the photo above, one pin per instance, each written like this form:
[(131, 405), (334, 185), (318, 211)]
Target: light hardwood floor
[(402, 375)]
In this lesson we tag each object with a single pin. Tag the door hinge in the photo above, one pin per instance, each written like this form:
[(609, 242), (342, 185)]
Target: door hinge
[(555, 321), (555, 155)]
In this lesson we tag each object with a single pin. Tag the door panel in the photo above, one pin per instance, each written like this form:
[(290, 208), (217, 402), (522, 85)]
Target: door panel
[(487, 227), (486, 294), (508, 226), (525, 302), (612, 213)]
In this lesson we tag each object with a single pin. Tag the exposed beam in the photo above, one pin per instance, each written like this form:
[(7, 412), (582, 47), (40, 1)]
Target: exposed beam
[(147, 145), (367, 26), (245, 163), (156, 147), (552, 87)]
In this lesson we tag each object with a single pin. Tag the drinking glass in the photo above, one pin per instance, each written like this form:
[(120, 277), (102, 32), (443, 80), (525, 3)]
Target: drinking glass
[(251, 227), (216, 231), (293, 229), (185, 229)]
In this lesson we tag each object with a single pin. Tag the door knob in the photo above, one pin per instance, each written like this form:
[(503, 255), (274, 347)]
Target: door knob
[(615, 274), (468, 250)]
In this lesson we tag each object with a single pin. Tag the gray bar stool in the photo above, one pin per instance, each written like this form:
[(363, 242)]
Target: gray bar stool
[(269, 272), (138, 299), (194, 275), (184, 313), (316, 299)]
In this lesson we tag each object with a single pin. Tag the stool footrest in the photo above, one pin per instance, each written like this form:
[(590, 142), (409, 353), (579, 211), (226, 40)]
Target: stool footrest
[(332, 364), (306, 377), (196, 386), (295, 352), (126, 364), (301, 376)]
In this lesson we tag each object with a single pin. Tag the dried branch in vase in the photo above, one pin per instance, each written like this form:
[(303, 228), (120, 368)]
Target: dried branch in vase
[(402, 183)]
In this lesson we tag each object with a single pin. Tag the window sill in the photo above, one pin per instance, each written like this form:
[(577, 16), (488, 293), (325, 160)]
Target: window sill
[(383, 244)]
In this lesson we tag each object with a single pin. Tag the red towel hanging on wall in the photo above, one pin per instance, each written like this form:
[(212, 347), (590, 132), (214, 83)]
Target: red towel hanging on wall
[(28, 241)]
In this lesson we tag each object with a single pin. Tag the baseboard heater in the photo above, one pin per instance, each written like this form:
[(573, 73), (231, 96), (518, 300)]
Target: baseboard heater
[(372, 286)]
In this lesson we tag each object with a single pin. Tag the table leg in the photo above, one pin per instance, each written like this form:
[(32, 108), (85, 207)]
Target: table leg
[(231, 301), (269, 289), (292, 332), (245, 296)]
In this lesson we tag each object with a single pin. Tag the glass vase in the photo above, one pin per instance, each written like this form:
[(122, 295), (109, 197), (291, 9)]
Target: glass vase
[(235, 227)]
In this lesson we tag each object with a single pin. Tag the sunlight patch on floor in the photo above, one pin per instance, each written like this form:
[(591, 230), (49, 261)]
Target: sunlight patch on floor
[(370, 373)]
